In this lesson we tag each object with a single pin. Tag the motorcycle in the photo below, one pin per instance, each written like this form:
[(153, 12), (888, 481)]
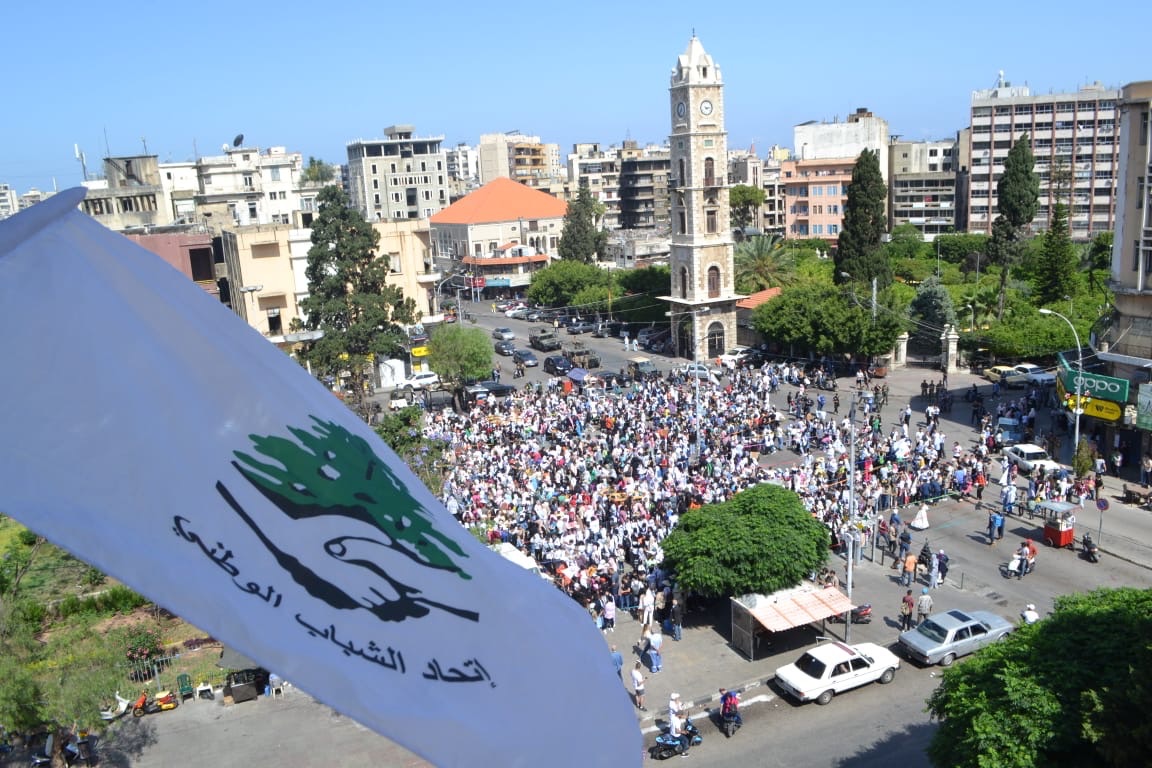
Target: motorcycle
[(667, 746), (730, 722), (77, 752), (163, 701), (1091, 551), (861, 614)]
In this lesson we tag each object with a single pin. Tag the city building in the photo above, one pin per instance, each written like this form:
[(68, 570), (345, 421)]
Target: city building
[(598, 170), (643, 186), (922, 186), (245, 186), (463, 165), (1124, 338), (9, 201), (744, 167), (815, 192), (517, 156), (186, 248), (703, 300), (401, 176), (1074, 140), (128, 195), (816, 178), (498, 235)]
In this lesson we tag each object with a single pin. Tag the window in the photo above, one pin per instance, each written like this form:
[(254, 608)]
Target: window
[(373, 168), (1144, 128), (375, 183), (683, 222), (684, 282), (251, 210), (962, 634), (709, 172), (274, 173), (817, 229), (710, 221), (376, 200), (247, 181), (713, 282), (833, 229)]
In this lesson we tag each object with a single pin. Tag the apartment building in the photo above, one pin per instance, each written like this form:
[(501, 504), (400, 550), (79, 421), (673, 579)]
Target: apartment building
[(129, 195), (9, 201), (815, 140), (401, 176), (598, 170), (815, 192), (1075, 140), (246, 186), (644, 186), (463, 165), (922, 186), (521, 157), (744, 167)]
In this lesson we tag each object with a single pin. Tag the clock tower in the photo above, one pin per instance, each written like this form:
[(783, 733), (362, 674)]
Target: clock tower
[(703, 300)]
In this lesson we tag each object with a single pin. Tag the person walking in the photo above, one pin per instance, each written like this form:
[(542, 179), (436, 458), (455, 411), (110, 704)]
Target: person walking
[(995, 523), (638, 686), (909, 575), (933, 572), (923, 605), (907, 604), (676, 615), (617, 662), (942, 567), (608, 614), (647, 607)]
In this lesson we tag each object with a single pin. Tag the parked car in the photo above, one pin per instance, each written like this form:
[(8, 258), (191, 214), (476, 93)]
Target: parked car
[(658, 342), (699, 371), (581, 326), (517, 313), (835, 667), (734, 357), (607, 330), (1034, 374), (503, 334), (944, 637), (1028, 457), (505, 304), (498, 389), (557, 364), (533, 315), (420, 380), (504, 348), (525, 357), (999, 373)]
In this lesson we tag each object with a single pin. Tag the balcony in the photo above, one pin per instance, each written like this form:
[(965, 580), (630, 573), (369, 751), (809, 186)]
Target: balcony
[(429, 276)]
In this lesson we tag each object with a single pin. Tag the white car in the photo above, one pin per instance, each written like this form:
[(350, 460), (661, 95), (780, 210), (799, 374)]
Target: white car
[(734, 357), (420, 380), (503, 334), (832, 668), (1034, 374), (1028, 457), (699, 371)]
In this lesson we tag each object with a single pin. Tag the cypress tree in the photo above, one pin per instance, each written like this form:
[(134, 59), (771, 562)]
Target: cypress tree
[(858, 250)]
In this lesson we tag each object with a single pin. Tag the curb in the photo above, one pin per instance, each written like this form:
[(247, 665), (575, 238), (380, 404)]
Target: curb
[(704, 702)]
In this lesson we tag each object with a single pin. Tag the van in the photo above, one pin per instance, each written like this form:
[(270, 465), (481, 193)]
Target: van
[(510, 553), (641, 369), (644, 334)]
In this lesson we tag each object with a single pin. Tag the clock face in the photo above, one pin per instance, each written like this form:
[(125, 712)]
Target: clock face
[(705, 107), (681, 109)]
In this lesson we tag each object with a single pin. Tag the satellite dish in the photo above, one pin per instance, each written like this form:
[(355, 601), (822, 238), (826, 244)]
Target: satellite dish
[(238, 140)]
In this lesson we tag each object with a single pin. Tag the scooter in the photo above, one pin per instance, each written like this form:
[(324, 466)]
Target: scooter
[(121, 707), (861, 614), (163, 701), (1091, 551), (730, 721), (667, 746)]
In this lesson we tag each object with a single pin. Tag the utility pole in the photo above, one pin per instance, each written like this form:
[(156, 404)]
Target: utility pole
[(851, 511)]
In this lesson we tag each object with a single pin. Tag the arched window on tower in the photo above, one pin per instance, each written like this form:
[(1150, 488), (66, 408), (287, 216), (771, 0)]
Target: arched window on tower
[(709, 172), (683, 221), (684, 282), (713, 282)]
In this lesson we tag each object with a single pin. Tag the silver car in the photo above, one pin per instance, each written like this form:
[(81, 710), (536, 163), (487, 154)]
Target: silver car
[(943, 637)]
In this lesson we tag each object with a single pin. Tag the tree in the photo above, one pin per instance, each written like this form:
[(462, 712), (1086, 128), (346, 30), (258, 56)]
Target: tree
[(844, 324), (762, 262), (744, 201), (1018, 198), (1098, 258), (930, 312), (858, 253), (403, 431), (1056, 273), (349, 297), (761, 540), (580, 240), (1003, 250), (1070, 690), (458, 353), (559, 282), (317, 172)]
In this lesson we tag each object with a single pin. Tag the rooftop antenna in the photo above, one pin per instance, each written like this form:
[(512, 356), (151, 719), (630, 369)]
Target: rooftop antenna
[(238, 140), (107, 149), (83, 161)]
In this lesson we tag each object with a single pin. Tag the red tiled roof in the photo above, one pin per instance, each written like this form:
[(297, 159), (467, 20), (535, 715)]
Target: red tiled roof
[(502, 200), (758, 298)]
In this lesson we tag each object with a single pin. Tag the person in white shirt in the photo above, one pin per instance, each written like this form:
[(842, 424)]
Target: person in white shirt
[(1029, 614)]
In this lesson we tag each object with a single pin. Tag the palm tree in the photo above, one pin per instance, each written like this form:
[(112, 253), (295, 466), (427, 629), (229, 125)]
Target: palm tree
[(763, 262)]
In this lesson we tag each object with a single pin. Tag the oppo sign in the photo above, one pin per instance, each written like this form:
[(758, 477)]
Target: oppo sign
[(1095, 385)]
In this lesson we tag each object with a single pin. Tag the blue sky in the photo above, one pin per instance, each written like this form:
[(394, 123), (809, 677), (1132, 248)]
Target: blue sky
[(313, 76)]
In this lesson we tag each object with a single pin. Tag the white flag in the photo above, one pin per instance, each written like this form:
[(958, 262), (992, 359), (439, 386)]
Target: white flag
[(149, 431)]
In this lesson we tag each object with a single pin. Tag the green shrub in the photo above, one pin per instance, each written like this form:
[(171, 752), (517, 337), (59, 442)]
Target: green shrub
[(119, 599), (27, 537), (94, 577)]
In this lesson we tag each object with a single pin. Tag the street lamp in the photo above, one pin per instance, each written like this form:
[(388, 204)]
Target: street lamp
[(1079, 378), (973, 308)]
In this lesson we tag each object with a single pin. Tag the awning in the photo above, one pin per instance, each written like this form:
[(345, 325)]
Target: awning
[(795, 607)]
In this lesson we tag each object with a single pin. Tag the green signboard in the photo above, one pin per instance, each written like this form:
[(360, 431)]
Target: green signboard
[(1095, 385), (1144, 408)]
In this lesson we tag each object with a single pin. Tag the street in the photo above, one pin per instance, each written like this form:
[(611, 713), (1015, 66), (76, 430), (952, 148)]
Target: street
[(869, 726)]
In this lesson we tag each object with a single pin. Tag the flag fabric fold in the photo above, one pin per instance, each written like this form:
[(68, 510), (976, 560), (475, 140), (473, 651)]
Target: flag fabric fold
[(153, 434)]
